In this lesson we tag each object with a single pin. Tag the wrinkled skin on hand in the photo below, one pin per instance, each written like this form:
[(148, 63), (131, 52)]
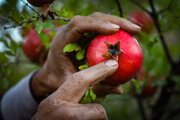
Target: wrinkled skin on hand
[(60, 74)]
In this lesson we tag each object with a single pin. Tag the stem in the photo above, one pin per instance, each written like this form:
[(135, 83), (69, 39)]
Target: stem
[(119, 7), (30, 7), (165, 96), (154, 15), (140, 104), (23, 22), (141, 107)]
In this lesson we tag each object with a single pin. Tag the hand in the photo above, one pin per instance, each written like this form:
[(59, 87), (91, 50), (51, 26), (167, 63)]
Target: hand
[(63, 103), (58, 66)]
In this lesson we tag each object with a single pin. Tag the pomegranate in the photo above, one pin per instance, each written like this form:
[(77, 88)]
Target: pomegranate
[(40, 3), (142, 19), (147, 90), (32, 46), (123, 48)]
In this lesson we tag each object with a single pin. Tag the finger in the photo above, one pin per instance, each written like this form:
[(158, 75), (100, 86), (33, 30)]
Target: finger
[(79, 25), (102, 90), (83, 112), (77, 84), (123, 23)]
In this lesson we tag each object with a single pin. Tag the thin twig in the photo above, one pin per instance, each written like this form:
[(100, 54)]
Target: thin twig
[(163, 10), (63, 18), (167, 8), (177, 17), (119, 7), (140, 104), (21, 23), (141, 107), (140, 6), (30, 7)]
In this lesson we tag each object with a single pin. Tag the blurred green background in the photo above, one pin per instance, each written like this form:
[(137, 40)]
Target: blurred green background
[(14, 65)]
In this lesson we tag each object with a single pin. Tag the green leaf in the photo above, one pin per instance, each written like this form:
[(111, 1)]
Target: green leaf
[(5, 42), (39, 26), (48, 25), (3, 58), (71, 47), (25, 13), (92, 94), (13, 45), (45, 39), (82, 67), (9, 52), (136, 83), (89, 96), (80, 54), (176, 79), (159, 83)]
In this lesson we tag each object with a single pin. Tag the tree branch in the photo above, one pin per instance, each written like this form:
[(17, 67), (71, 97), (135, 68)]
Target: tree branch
[(160, 106), (21, 23), (154, 15), (119, 7), (141, 107), (140, 6), (169, 9), (30, 7), (140, 103)]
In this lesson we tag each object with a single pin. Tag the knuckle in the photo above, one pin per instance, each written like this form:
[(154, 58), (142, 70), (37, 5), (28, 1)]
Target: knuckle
[(76, 19), (100, 108), (95, 14), (78, 77)]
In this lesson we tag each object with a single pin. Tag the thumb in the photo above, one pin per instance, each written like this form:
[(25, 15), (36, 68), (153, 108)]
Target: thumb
[(78, 83)]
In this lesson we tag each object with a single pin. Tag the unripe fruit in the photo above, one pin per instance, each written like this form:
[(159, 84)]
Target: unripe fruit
[(39, 3), (130, 61), (142, 19), (32, 46)]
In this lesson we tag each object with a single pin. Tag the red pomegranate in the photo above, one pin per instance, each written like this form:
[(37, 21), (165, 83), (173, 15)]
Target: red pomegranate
[(32, 46), (130, 61), (40, 3), (147, 90), (142, 19)]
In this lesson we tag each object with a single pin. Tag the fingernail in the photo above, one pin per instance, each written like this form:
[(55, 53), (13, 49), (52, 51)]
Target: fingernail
[(135, 26), (111, 63), (113, 25)]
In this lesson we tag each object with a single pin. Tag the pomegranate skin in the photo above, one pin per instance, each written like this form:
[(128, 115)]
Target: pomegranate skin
[(32, 46), (142, 19), (39, 3), (129, 62)]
